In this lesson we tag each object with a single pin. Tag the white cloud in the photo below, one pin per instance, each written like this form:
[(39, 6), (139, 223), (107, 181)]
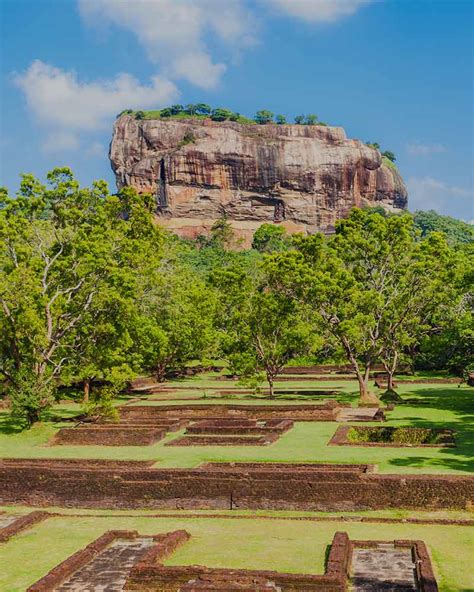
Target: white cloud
[(318, 10), (174, 32), (67, 106), (60, 141), (418, 149), (427, 193)]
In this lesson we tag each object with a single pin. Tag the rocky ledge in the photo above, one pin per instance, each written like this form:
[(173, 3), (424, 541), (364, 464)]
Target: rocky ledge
[(303, 177)]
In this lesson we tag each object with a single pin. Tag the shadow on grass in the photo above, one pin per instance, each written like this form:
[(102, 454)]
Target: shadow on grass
[(458, 402), (10, 425)]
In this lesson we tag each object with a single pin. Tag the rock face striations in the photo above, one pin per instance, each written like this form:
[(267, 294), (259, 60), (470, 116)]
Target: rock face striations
[(304, 177)]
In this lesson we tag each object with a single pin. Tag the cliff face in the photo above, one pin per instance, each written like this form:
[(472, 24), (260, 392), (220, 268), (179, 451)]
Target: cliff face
[(304, 177)]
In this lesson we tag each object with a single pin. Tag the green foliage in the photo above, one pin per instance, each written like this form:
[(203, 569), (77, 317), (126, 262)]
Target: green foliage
[(299, 119), (263, 116), (101, 403), (269, 238), (408, 436), (373, 286), (176, 109), (311, 119), (261, 329), (456, 231), (140, 115), (280, 119), (191, 109), (203, 108), (389, 155), (30, 396), (221, 114), (70, 261)]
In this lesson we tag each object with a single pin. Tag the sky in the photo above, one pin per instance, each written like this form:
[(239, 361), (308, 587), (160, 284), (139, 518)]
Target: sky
[(399, 72)]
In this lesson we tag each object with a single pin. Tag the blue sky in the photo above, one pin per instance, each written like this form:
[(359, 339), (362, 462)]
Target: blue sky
[(399, 72)]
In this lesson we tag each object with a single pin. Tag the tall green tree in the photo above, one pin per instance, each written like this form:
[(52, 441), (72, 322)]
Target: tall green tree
[(261, 329), (365, 283)]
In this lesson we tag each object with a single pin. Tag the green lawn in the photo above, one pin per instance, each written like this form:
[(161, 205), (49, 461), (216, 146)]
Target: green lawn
[(433, 405), (293, 546)]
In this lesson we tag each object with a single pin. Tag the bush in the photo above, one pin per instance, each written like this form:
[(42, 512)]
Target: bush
[(101, 403), (30, 397), (280, 119), (221, 114), (299, 119), (311, 119), (140, 115), (405, 436), (263, 116)]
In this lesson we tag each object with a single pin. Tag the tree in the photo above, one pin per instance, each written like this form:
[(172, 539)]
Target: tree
[(235, 116), (191, 109), (176, 109), (175, 322), (203, 108), (389, 155), (221, 114), (375, 145), (299, 119), (311, 119), (222, 234), (270, 237), (140, 115), (103, 343), (456, 231), (263, 116), (364, 284), (166, 112), (280, 119), (261, 329), (51, 265)]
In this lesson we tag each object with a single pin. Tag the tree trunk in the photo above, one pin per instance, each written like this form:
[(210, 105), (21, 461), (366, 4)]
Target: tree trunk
[(160, 372), (270, 385), (390, 380), (366, 398), (87, 390)]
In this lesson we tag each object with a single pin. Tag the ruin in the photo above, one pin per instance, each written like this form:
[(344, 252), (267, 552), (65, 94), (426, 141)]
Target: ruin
[(121, 560)]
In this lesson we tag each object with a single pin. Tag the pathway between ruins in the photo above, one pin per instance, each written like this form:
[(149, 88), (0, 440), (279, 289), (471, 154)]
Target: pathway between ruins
[(109, 570), (384, 568)]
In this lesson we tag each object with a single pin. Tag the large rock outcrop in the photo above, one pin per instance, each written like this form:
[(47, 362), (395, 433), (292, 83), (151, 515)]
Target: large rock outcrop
[(304, 177)]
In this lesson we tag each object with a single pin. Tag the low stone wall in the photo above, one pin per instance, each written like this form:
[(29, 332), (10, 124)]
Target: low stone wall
[(165, 545), (119, 435), (137, 485), (319, 412), (150, 575), (424, 573), (225, 440), (239, 426), (20, 524)]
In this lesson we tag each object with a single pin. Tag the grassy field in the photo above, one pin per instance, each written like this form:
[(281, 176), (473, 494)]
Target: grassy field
[(430, 405), (285, 541), (285, 545)]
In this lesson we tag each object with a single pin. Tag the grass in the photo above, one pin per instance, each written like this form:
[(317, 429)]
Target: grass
[(293, 546), (220, 540), (156, 114), (434, 405)]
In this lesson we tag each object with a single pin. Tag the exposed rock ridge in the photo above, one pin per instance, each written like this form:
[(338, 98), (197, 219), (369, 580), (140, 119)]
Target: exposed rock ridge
[(304, 177)]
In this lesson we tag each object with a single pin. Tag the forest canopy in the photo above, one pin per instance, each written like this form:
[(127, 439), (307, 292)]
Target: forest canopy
[(94, 293)]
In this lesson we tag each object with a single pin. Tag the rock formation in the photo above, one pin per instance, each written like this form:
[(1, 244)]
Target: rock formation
[(303, 177)]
